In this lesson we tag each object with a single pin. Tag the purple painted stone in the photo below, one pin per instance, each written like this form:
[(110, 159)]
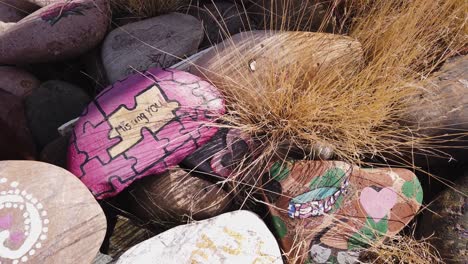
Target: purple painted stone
[(140, 126)]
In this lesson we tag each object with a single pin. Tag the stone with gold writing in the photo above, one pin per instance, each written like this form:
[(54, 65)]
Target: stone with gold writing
[(231, 238), (140, 126)]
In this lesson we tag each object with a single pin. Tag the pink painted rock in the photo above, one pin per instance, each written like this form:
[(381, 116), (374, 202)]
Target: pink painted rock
[(140, 126), (17, 81), (57, 31)]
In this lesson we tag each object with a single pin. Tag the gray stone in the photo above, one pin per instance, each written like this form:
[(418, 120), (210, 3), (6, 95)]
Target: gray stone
[(236, 237), (154, 42), (51, 105)]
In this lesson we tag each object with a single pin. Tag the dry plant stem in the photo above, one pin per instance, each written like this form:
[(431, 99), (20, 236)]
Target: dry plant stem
[(148, 8)]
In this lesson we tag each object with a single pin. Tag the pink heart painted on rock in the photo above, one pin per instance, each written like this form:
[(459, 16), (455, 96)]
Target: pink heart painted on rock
[(377, 204), (6, 221), (17, 237)]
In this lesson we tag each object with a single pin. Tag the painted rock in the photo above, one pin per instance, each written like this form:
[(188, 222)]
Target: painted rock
[(47, 215), (15, 137), (58, 31), (169, 199), (154, 42), (220, 19), (446, 220), (17, 81), (51, 105), (252, 54), (333, 208), (237, 237), (221, 155), (142, 126)]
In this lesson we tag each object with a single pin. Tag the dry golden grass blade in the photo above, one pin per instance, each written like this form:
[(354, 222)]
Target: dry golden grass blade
[(148, 8)]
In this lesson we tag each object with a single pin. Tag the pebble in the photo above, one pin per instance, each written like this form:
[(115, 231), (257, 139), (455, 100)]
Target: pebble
[(57, 31), (236, 237), (138, 46), (15, 137), (47, 215), (142, 126), (17, 81), (343, 207), (49, 106), (175, 196)]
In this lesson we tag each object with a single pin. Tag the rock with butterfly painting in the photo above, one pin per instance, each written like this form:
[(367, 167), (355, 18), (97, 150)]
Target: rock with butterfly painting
[(57, 31), (337, 208), (236, 237), (141, 126), (155, 42)]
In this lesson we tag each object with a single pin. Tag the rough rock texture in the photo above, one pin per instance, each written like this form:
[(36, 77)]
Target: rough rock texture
[(55, 32), (221, 19), (248, 57), (172, 198), (51, 105), (17, 81), (300, 15), (237, 237), (56, 152), (16, 141), (150, 43), (447, 220)]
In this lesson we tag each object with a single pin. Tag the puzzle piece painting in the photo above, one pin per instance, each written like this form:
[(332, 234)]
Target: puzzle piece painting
[(141, 126)]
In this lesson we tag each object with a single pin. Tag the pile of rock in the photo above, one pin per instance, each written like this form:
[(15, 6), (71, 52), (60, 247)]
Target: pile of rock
[(149, 144)]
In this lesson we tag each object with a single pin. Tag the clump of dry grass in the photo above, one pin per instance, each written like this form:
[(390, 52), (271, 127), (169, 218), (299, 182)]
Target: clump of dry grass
[(402, 249), (148, 8), (357, 111)]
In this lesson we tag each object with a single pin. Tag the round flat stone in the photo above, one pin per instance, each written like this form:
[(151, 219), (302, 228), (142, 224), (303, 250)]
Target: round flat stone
[(47, 215), (142, 126), (236, 237)]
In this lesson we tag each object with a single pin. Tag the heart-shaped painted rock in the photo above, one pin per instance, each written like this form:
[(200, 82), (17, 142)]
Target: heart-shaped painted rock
[(140, 126), (47, 215)]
